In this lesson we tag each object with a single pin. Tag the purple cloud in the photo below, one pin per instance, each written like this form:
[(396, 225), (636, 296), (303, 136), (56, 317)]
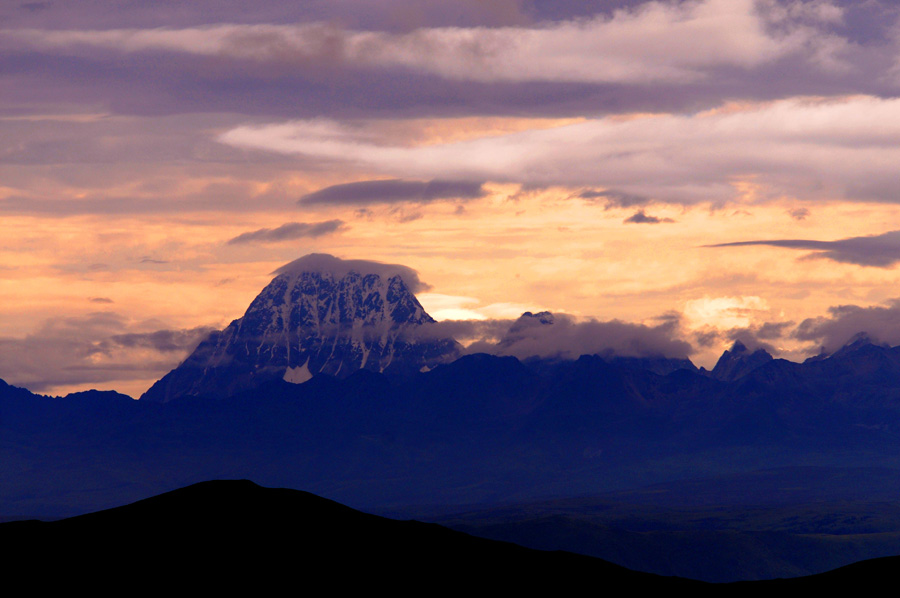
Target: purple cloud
[(288, 232), (879, 251), (450, 58), (640, 217), (363, 193), (881, 323)]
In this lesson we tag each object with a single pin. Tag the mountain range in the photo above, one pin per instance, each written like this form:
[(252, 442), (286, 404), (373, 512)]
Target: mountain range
[(336, 381)]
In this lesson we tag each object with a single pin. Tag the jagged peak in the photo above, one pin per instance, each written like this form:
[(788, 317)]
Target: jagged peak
[(323, 263), (738, 347), (860, 339), (739, 361), (856, 342), (543, 317), (525, 322)]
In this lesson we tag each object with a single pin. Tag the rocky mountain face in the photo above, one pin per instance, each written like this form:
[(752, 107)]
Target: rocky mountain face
[(738, 362), (320, 315)]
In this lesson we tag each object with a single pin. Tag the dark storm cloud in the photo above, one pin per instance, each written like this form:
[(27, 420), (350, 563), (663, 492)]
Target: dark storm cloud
[(881, 323), (640, 217), (880, 251), (364, 193), (288, 232)]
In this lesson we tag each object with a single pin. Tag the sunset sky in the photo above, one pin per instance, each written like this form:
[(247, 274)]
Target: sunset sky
[(707, 169)]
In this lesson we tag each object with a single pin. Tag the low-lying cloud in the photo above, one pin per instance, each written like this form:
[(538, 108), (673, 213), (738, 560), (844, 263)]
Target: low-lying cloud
[(881, 323), (567, 338), (561, 336), (164, 341), (760, 336), (94, 349), (880, 251), (288, 232)]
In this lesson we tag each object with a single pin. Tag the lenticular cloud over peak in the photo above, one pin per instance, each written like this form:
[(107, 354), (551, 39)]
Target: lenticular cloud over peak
[(323, 262)]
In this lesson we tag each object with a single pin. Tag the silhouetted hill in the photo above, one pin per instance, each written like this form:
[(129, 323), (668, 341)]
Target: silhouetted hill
[(236, 536)]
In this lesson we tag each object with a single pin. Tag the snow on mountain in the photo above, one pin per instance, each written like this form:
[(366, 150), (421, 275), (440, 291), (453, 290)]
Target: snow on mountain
[(319, 315)]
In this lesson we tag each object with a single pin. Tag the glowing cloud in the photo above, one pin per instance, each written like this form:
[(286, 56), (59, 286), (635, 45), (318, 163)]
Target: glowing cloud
[(812, 148)]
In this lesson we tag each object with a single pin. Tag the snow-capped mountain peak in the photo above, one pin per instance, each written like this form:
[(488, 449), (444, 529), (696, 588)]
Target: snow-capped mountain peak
[(319, 315)]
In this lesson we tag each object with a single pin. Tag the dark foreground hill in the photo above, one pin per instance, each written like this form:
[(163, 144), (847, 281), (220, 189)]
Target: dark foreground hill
[(237, 536)]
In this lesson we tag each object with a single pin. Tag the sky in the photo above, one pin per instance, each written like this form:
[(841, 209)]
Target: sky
[(678, 173)]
